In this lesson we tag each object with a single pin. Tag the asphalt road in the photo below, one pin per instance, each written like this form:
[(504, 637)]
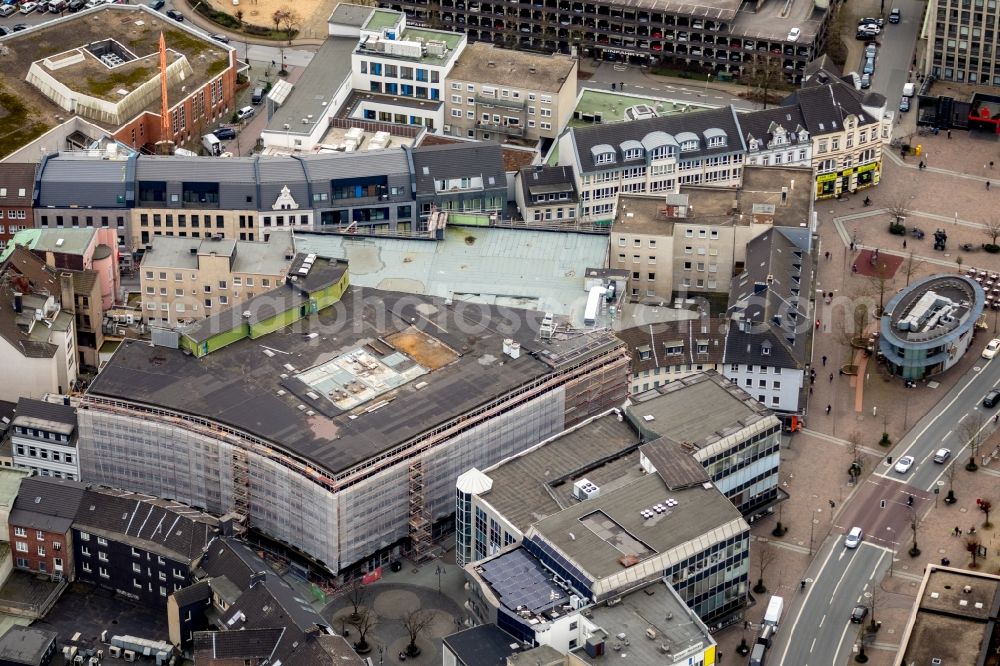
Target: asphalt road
[(895, 53), (840, 577)]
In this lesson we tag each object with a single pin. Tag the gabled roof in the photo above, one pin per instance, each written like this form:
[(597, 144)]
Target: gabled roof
[(825, 107), (460, 160), (47, 504), (648, 344), (252, 644), (200, 592), (40, 410), (17, 181), (694, 123), (165, 527), (536, 180), (760, 125), (482, 645)]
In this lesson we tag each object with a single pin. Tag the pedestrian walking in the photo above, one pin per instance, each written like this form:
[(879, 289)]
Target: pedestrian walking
[(852, 246), (824, 360), (997, 416), (949, 134), (991, 164), (904, 243), (827, 255), (954, 531), (612, 86), (828, 408), (810, 389), (831, 377)]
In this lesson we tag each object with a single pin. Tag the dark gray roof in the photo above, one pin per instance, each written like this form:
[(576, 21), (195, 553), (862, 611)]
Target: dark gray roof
[(458, 161), (541, 179), (312, 95), (252, 644), (327, 166), (26, 645), (165, 527), (6, 415), (84, 181), (15, 177), (760, 125), (39, 278), (200, 592), (772, 294), (46, 411), (825, 107), (675, 464), (47, 504), (668, 127), (648, 344), (231, 559), (239, 384), (482, 645)]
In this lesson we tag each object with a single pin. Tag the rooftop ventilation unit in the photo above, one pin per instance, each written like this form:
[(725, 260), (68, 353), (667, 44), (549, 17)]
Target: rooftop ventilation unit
[(585, 490)]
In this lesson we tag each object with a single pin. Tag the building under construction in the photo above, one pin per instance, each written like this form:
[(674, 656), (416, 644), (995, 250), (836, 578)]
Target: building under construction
[(337, 421)]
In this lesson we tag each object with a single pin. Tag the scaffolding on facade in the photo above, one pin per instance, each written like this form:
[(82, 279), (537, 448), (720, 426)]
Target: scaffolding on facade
[(421, 539)]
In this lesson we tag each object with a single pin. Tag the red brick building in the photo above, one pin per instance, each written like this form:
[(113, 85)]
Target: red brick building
[(40, 525), (16, 184)]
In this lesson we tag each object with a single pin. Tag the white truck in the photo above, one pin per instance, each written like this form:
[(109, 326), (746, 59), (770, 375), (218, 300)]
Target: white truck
[(772, 616), (212, 144), (908, 89)]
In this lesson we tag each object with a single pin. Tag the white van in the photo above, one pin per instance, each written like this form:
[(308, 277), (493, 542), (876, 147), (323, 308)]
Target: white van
[(212, 144), (908, 89)]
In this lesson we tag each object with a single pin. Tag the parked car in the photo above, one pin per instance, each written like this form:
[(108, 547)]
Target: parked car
[(904, 464), (245, 113), (904, 104), (871, 21), (18, 27), (870, 51), (991, 348), (794, 34), (29, 7), (175, 15), (894, 15), (942, 455), (869, 66), (853, 538), (7, 10), (220, 38), (866, 80), (992, 398), (76, 5), (157, 4), (865, 33), (859, 614), (224, 133)]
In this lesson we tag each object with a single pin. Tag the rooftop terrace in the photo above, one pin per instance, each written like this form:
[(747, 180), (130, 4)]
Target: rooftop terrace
[(613, 107)]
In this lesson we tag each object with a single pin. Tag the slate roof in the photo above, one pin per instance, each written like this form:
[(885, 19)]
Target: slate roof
[(47, 504), (760, 125), (772, 293), (648, 344), (696, 122), (231, 559), (85, 181), (482, 645), (824, 108), (458, 161), (199, 592), (38, 279), (15, 177), (165, 527), (547, 179), (46, 411), (246, 644)]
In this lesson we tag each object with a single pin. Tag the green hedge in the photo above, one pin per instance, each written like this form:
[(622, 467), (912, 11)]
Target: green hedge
[(897, 229)]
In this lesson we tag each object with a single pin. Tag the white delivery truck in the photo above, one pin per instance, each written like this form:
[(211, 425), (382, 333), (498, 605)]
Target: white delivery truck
[(212, 144), (908, 89), (772, 616)]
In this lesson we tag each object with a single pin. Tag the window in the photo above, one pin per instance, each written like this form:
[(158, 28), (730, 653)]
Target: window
[(20, 531), (136, 567), (22, 547), (102, 572), (101, 541), (85, 551), (40, 535), (86, 567), (102, 556)]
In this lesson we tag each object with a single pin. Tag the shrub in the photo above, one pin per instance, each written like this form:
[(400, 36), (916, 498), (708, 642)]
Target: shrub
[(897, 229), (992, 248)]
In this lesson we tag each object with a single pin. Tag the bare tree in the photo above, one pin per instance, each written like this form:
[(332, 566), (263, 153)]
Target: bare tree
[(898, 208), (914, 526), (882, 282), (991, 229), (290, 22), (765, 556), (873, 604), (415, 624), (762, 74), (357, 595), (277, 17), (986, 506), (972, 545), (950, 472), (364, 624), (958, 262), (972, 433), (910, 266)]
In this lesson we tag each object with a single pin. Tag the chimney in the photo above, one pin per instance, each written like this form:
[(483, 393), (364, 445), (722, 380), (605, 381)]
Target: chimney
[(66, 287)]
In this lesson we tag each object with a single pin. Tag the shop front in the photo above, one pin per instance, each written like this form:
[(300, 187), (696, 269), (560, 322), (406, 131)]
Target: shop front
[(833, 184)]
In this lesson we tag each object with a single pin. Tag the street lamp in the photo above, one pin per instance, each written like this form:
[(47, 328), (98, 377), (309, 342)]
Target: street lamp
[(892, 540), (438, 570), (707, 79), (812, 527)]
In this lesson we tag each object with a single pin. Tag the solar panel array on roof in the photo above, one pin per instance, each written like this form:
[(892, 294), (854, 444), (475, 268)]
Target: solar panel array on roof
[(521, 583)]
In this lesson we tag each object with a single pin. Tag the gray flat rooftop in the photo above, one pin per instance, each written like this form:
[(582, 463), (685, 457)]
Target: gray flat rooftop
[(514, 268), (695, 408), (254, 257), (646, 609), (241, 385), (771, 22), (66, 241), (312, 94), (348, 14), (486, 64), (598, 533), (536, 484)]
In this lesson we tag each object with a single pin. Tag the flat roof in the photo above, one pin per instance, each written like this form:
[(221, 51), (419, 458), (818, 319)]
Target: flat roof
[(599, 534), (486, 64), (66, 241), (382, 18), (677, 409), (612, 106), (959, 604), (773, 21), (347, 14), (504, 267), (647, 609), (313, 93), (539, 482), (25, 645), (252, 385), (257, 257)]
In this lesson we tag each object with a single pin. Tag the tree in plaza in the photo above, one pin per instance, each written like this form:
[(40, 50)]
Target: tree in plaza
[(914, 526), (985, 506), (991, 229), (882, 283), (277, 17), (910, 266), (972, 432), (290, 22), (972, 545), (765, 556), (950, 473), (357, 595), (366, 620), (415, 624), (899, 208)]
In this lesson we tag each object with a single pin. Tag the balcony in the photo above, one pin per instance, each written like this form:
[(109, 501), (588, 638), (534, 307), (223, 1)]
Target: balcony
[(500, 128), (501, 102)]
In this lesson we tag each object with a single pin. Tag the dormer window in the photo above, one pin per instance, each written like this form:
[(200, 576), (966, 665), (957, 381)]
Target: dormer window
[(633, 154), (715, 137), (689, 146), (645, 353), (765, 349), (603, 154), (753, 144), (675, 348), (631, 150)]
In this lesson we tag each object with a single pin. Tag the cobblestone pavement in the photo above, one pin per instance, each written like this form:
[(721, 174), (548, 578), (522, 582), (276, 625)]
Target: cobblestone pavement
[(814, 465)]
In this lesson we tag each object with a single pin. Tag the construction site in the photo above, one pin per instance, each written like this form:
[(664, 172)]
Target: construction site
[(341, 435)]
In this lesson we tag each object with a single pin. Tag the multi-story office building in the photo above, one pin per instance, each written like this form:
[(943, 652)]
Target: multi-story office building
[(16, 183), (44, 439), (722, 39), (40, 524), (654, 155), (37, 328), (318, 445), (737, 441), (141, 547), (500, 95), (962, 42), (187, 279)]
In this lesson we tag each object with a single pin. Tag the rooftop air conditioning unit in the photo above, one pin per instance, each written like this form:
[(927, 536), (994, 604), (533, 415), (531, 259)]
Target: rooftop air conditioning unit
[(115, 651), (585, 490), (129, 655)]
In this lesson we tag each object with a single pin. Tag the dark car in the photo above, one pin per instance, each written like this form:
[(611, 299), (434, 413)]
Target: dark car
[(224, 133), (859, 614), (175, 15), (76, 5), (220, 38), (894, 15), (992, 398), (19, 27), (904, 104)]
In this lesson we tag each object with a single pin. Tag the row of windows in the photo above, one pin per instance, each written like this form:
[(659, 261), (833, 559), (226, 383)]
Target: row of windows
[(41, 434), (89, 220), (45, 454)]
